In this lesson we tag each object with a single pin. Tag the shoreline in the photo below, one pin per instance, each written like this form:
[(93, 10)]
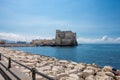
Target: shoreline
[(33, 45), (60, 69)]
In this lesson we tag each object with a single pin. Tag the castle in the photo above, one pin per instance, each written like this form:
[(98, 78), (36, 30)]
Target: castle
[(65, 38)]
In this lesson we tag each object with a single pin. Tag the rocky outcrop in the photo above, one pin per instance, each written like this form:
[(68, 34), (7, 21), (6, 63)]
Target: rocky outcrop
[(65, 38), (60, 69)]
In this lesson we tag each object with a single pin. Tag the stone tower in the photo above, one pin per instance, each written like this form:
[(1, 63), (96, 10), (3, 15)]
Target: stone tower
[(65, 38)]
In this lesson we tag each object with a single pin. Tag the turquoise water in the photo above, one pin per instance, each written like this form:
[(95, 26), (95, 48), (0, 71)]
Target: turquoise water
[(101, 54)]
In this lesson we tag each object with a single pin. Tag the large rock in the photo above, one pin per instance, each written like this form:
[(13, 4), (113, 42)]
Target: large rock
[(91, 77), (103, 77), (117, 77), (107, 68), (74, 76)]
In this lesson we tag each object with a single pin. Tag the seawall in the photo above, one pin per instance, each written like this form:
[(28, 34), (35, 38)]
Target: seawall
[(60, 69)]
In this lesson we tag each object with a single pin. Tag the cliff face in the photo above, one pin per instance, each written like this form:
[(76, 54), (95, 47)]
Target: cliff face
[(65, 38)]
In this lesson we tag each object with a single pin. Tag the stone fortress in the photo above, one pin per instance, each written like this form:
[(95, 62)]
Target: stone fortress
[(65, 38)]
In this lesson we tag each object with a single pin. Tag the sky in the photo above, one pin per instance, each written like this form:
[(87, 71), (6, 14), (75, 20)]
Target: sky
[(94, 21)]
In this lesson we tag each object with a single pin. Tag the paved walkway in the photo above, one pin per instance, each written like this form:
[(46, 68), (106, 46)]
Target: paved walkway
[(12, 73), (1, 77)]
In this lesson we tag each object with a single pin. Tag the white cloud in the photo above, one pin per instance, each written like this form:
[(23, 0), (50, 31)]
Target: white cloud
[(17, 37), (104, 39)]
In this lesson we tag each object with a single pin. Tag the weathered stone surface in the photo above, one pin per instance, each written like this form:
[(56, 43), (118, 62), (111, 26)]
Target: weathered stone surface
[(58, 76), (89, 72), (75, 71), (65, 38), (117, 77), (104, 78), (107, 68), (91, 77), (80, 66), (75, 76), (100, 73), (110, 74)]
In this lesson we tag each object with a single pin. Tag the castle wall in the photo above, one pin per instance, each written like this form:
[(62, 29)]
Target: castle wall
[(65, 38)]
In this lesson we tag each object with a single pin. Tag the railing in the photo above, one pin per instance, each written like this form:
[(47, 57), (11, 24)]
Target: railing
[(33, 70)]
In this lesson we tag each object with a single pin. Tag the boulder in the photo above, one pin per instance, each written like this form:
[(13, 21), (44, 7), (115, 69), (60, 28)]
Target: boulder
[(74, 76), (80, 66), (61, 75), (103, 77), (75, 71), (117, 77), (110, 74), (107, 68), (89, 71), (91, 77)]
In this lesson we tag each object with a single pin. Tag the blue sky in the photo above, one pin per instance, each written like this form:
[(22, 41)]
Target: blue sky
[(90, 19)]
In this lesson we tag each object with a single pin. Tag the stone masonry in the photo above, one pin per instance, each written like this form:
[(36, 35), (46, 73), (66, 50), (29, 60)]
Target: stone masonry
[(65, 38)]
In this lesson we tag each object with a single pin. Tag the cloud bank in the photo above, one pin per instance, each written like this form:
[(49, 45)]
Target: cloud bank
[(17, 37), (104, 39)]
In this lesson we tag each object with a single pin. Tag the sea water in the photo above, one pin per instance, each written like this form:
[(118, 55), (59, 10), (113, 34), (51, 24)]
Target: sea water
[(101, 54)]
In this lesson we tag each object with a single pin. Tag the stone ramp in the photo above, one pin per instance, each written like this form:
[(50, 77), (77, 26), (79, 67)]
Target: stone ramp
[(12, 73)]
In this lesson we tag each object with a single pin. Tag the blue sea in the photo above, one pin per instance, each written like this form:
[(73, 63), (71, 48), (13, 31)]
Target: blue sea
[(101, 54)]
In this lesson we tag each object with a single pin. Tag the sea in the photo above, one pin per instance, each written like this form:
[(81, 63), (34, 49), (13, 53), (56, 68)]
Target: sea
[(100, 54)]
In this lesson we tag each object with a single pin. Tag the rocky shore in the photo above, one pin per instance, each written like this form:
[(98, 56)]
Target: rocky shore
[(60, 69)]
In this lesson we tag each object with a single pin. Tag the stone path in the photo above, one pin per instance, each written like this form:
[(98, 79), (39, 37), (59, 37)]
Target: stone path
[(1, 77), (11, 73)]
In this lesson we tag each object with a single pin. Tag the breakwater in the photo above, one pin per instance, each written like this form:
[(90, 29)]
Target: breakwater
[(60, 69)]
